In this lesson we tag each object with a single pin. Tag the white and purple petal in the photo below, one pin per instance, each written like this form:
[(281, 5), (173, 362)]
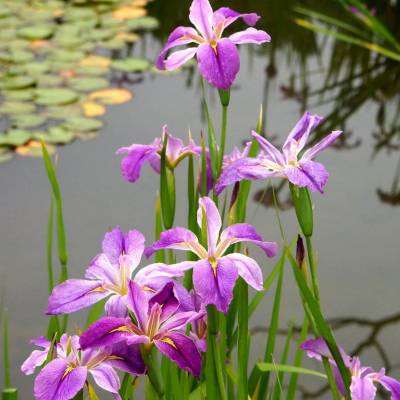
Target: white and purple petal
[(392, 385), (322, 145), (37, 357), (138, 303), (308, 174), (106, 378), (362, 388), (251, 36), (201, 16), (208, 210)]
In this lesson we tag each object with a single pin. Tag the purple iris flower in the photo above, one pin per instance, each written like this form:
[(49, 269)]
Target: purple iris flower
[(299, 170), (107, 276), (137, 154), (363, 379), (217, 57), (214, 275), (63, 377), (158, 322), (37, 357)]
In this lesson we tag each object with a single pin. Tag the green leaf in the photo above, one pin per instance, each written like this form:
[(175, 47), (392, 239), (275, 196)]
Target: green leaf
[(16, 107), (303, 207), (87, 84), (81, 124), (9, 394), (131, 65), (18, 82), (15, 137), (52, 97), (95, 312), (56, 135), (143, 23), (18, 95), (270, 367), (35, 32), (25, 121)]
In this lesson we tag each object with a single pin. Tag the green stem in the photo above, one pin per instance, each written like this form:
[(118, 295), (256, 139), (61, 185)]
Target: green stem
[(313, 268), (224, 96), (242, 354), (9, 394), (153, 371), (331, 379), (6, 355)]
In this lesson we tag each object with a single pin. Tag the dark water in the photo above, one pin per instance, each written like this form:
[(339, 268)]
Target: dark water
[(356, 234)]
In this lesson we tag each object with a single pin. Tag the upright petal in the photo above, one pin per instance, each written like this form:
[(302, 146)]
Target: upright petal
[(322, 145), (180, 36), (175, 238), (134, 246), (247, 233), (113, 244), (362, 389), (75, 294), (102, 269), (219, 66), (392, 385), (271, 150), (209, 211), (106, 378), (57, 382), (215, 287), (201, 16), (167, 299), (179, 58), (182, 350), (138, 303), (247, 268), (310, 174), (250, 35), (105, 332), (116, 307), (302, 130)]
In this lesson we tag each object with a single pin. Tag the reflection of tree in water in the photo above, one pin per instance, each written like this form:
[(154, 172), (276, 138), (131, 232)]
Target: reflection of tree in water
[(370, 341)]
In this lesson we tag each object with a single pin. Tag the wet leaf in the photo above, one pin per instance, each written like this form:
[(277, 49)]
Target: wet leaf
[(87, 84), (15, 137), (49, 81), (93, 109), (53, 96), (111, 96), (17, 107), (131, 65), (26, 121), (82, 124), (18, 82), (35, 32), (34, 149)]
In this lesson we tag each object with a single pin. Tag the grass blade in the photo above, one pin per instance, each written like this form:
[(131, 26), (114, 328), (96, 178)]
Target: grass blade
[(269, 367), (243, 339), (6, 355)]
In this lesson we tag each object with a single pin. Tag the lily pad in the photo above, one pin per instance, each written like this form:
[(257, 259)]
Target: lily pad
[(18, 82), (87, 84), (82, 124), (91, 70), (15, 137), (26, 121), (131, 65), (35, 32), (19, 56), (128, 12), (34, 149), (143, 23), (63, 112), (95, 61), (18, 95), (92, 109), (53, 96), (17, 107), (49, 81), (56, 135), (112, 96)]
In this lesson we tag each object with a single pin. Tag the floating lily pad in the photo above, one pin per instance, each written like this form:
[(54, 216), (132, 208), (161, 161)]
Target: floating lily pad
[(75, 13), (34, 149), (63, 112), (82, 124), (92, 109), (26, 121), (60, 55), (15, 137), (91, 70), (16, 107), (56, 135), (111, 96), (87, 84), (36, 32), (113, 44), (18, 82), (127, 37), (21, 56), (35, 68), (18, 95), (131, 65), (95, 61), (53, 96), (144, 23), (125, 13), (49, 81)]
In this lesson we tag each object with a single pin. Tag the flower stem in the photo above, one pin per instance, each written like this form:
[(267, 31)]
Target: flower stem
[(224, 96), (242, 354), (153, 371), (313, 268)]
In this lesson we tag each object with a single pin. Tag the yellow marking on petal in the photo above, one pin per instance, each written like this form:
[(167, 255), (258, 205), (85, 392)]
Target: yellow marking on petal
[(213, 44), (213, 262), (99, 289), (169, 341), (148, 289), (69, 369), (115, 358), (123, 328)]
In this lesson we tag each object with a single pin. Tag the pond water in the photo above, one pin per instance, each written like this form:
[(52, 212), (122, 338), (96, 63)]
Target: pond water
[(357, 219)]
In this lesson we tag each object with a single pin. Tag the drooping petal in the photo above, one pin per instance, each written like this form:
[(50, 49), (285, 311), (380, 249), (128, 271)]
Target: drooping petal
[(137, 302), (37, 357), (392, 385), (208, 210), (105, 332), (116, 307), (301, 131), (219, 66), (136, 156), (247, 233), (250, 35), (322, 145), (362, 389), (180, 320), (243, 169), (215, 287), (106, 378), (271, 150), (75, 294), (247, 268), (201, 16), (227, 16), (127, 358), (57, 382), (310, 174), (175, 238), (182, 350), (179, 58), (317, 348)]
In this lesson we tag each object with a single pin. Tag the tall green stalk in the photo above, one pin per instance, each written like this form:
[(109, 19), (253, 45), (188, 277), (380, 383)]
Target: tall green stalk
[(224, 96), (243, 339)]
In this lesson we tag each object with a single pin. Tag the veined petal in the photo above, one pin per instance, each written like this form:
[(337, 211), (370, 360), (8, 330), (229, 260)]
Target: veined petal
[(201, 16), (113, 244), (37, 357), (180, 57), (301, 131), (182, 350), (310, 174), (102, 269), (247, 268), (247, 233), (127, 358), (57, 382), (209, 211), (105, 332), (219, 66), (226, 16), (215, 285), (75, 294), (322, 145), (175, 238), (134, 247), (138, 303), (362, 389), (180, 36), (106, 378), (167, 299), (136, 156), (392, 385), (116, 307), (271, 150), (180, 320), (250, 35)]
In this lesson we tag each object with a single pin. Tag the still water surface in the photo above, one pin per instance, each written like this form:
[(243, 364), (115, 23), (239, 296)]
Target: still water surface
[(357, 236)]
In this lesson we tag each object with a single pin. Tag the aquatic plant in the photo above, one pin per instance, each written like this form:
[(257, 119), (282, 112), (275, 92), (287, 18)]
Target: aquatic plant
[(180, 323)]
